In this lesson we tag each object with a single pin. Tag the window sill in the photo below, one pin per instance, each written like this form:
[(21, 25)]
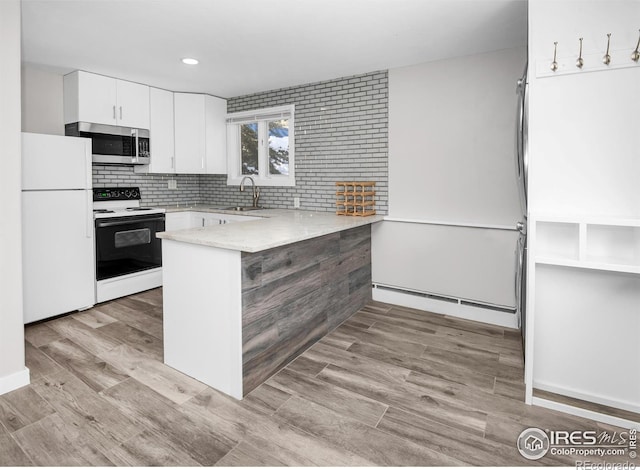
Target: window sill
[(263, 182)]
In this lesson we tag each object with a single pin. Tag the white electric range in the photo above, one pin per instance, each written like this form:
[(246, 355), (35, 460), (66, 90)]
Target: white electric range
[(128, 253)]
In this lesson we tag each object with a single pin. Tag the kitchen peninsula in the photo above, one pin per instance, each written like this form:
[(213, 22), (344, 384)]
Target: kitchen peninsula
[(242, 300)]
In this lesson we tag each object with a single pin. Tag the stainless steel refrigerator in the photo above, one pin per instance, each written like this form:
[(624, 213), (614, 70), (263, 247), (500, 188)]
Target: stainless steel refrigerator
[(57, 226)]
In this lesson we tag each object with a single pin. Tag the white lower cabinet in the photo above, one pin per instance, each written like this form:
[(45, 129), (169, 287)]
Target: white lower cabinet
[(205, 219), (177, 221), (212, 219), (194, 219)]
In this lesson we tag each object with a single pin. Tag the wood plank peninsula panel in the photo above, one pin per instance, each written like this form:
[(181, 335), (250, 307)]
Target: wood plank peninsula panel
[(294, 295)]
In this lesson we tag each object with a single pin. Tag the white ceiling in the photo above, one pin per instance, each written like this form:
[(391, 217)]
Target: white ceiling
[(247, 46)]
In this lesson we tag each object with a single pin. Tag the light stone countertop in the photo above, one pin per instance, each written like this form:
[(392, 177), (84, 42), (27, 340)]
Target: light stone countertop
[(276, 227)]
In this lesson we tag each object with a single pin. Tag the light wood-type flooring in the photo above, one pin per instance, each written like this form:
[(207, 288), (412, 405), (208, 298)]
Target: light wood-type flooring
[(390, 386)]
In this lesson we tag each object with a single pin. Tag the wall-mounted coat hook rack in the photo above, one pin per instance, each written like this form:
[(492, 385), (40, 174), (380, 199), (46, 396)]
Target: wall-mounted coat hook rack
[(635, 55), (587, 60), (554, 64), (607, 57), (580, 61)]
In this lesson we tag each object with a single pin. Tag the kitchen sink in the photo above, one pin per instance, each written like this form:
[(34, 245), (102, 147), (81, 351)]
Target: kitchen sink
[(243, 208)]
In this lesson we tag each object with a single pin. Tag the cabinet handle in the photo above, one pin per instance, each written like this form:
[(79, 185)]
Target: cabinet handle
[(114, 111), (120, 112)]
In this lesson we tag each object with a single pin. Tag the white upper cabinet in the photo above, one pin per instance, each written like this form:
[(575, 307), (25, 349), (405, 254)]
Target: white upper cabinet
[(104, 100), (90, 98), (216, 130), (190, 132), (133, 105), (161, 133), (187, 130), (200, 134)]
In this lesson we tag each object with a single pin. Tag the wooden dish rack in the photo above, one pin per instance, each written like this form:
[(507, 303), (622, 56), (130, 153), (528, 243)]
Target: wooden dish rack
[(356, 198)]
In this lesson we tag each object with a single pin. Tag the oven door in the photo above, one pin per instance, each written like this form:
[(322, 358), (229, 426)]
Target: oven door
[(126, 245)]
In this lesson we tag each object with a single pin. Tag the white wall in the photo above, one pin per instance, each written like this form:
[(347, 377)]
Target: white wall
[(452, 161), (42, 103), (459, 262), (13, 373), (451, 139)]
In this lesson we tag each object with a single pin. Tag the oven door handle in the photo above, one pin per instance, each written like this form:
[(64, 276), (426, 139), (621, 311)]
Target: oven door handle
[(100, 224)]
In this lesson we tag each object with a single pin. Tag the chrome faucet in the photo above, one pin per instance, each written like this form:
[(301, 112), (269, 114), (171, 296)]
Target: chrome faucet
[(256, 190)]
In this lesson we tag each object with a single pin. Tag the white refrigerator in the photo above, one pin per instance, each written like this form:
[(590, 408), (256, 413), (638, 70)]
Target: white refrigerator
[(57, 226)]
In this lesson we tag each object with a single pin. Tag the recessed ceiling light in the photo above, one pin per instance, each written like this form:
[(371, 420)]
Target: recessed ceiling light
[(190, 61)]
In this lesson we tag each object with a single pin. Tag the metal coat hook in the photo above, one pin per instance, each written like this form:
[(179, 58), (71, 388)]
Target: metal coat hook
[(580, 61), (607, 58), (554, 64), (635, 55)]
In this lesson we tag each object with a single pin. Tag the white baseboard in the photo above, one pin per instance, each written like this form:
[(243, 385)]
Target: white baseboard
[(599, 399), (454, 309), (11, 382), (587, 414)]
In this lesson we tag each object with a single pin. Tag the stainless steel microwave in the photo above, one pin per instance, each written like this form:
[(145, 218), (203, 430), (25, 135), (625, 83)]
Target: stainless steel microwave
[(114, 145)]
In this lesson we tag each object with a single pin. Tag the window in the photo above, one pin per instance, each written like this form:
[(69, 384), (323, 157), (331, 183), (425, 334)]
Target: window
[(260, 144)]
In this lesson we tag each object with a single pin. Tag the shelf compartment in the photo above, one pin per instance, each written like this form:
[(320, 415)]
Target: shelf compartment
[(613, 245), (618, 268), (558, 241)]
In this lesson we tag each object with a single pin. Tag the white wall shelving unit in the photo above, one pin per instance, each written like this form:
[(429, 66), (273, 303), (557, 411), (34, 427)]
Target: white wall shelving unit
[(604, 244), (584, 318)]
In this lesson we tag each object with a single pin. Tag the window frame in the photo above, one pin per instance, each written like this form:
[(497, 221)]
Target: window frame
[(234, 158)]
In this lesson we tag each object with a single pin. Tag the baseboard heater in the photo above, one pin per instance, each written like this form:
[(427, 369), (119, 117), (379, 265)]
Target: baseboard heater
[(443, 298)]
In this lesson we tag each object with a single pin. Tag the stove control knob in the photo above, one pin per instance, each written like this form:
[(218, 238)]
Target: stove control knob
[(127, 193), (134, 193)]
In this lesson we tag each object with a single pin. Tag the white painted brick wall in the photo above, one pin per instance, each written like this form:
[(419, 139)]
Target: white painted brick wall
[(341, 134)]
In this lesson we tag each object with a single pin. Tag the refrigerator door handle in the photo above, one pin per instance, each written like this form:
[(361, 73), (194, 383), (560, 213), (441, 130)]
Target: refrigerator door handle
[(519, 112), (516, 273), (519, 271), (88, 166), (89, 215), (525, 139)]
